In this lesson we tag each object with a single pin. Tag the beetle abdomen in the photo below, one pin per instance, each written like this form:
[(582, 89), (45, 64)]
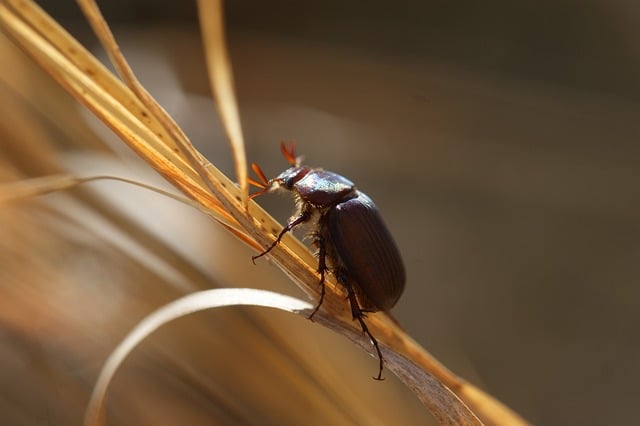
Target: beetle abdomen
[(368, 252)]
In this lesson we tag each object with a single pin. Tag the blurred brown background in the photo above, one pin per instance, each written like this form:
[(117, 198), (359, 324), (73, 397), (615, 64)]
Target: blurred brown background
[(499, 139)]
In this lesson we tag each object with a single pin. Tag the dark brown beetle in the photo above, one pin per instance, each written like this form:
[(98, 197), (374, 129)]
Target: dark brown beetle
[(352, 239)]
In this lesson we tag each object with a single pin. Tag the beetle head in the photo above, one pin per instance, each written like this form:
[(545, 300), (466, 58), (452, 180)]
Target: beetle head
[(294, 173), (289, 177), (286, 179)]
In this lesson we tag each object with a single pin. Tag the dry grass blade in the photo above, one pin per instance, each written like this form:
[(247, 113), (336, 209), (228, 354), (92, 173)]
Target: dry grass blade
[(48, 30), (208, 299), (37, 186), (94, 86), (104, 34), (141, 123), (28, 188), (221, 78), (219, 185), (292, 255)]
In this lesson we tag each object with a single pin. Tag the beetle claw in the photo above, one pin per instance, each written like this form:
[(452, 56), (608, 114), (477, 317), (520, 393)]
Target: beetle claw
[(319, 302), (310, 317)]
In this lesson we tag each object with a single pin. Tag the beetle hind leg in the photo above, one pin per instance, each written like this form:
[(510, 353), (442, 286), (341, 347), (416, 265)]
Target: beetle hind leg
[(359, 314)]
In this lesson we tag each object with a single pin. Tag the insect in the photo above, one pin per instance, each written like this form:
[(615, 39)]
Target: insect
[(352, 240)]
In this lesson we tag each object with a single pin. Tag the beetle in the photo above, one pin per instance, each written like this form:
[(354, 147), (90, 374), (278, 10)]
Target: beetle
[(353, 241)]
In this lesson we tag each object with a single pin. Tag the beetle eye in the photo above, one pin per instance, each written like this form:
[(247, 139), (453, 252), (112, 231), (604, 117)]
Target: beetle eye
[(288, 183), (291, 176)]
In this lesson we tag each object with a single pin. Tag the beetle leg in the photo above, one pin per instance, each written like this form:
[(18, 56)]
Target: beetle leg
[(359, 315), (322, 268), (301, 218)]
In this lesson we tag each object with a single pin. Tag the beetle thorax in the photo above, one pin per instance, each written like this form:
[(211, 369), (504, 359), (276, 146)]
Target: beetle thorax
[(322, 189)]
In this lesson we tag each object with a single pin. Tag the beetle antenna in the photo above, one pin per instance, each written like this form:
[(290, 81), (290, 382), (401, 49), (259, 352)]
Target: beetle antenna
[(263, 178), (263, 183), (289, 153)]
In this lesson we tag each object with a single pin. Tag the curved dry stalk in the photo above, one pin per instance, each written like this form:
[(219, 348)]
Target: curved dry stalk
[(143, 125), (447, 407), (194, 302)]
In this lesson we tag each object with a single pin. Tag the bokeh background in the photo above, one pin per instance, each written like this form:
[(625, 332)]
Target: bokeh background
[(499, 139)]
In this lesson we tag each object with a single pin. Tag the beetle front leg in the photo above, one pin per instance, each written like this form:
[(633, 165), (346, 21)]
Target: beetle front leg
[(304, 216), (322, 268)]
